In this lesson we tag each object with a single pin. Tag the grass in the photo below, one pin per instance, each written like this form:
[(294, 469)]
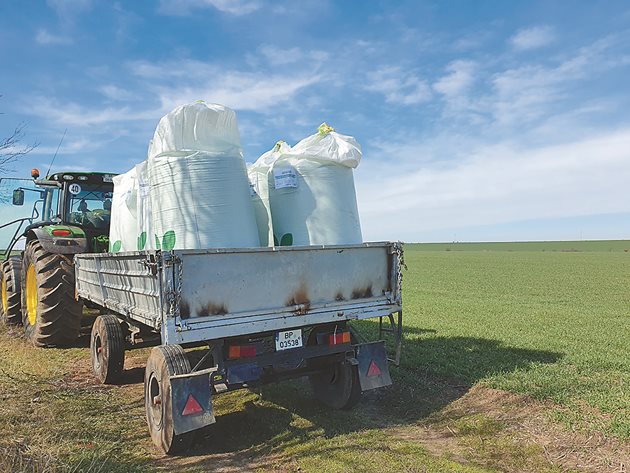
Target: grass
[(546, 321), (553, 325)]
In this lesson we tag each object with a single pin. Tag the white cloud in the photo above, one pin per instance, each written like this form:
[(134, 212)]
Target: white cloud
[(243, 91), (497, 183), (459, 78), (398, 87), (113, 92), (532, 38), (526, 93), (46, 38), (255, 91), (67, 10), (73, 114), (277, 57), (185, 7), (280, 57)]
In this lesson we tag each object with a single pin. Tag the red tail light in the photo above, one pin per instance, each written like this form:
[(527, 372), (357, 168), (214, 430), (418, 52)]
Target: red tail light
[(338, 338), (61, 232), (241, 351)]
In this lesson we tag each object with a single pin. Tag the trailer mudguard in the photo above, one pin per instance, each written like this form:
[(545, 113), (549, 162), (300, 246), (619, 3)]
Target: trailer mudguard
[(191, 396), (373, 369)]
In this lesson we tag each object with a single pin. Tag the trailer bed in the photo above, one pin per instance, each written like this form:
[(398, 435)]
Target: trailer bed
[(192, 296)]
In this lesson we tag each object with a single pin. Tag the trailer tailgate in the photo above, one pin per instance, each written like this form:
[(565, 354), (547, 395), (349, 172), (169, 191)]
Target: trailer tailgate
[(211, 294)]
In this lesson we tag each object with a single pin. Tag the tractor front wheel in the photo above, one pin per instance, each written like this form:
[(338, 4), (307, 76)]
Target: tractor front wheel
[(50, 314)]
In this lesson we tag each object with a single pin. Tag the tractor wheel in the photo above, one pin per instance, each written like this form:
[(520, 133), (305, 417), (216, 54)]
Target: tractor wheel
[(338, 385), (107, 349), (164, 361), (11, 291), (50, 314)]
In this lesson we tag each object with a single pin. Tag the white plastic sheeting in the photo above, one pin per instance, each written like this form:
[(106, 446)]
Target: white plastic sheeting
[(259, 182), (123, 229), (197, 126), (311, 191), (198, 181), (146, 236)]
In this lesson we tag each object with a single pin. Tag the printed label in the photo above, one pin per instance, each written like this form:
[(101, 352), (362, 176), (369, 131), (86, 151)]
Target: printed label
[(144, 188), (74, 189), (285, 177)]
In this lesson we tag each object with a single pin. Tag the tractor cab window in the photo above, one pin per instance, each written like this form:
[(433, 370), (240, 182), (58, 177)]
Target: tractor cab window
[(51, 204), (89, 205)]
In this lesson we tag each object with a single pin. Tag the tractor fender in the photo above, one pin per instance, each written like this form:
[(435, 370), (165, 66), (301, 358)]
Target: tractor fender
[(58, 245)]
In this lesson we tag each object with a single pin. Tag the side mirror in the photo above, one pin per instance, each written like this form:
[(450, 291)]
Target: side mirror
[(18, 197)]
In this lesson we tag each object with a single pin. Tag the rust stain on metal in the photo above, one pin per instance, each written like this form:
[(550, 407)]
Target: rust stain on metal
[(362, 293), (300, 300), (339, 297), (211, 308), (184, 309)]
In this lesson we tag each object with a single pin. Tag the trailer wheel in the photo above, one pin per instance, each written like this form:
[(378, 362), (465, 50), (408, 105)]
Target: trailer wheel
[(164, 361), (50, 313), (11, 291), (338, 386), (107, 349)]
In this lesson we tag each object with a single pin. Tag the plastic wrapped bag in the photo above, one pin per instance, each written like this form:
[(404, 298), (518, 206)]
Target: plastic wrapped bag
[(123, 229), (199, 188), (311, 191), (146, 236), (259, 190)]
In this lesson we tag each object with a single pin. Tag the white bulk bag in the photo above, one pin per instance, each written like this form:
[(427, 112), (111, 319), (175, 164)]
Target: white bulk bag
[(259, 189), (123, 229), (197, 126), (146, 236), (312, 194), (199, 187)]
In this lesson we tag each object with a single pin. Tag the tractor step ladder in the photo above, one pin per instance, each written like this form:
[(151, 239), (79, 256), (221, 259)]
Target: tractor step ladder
[(392, 331)]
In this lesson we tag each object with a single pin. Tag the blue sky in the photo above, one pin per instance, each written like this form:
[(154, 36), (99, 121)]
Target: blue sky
[(479, 120)]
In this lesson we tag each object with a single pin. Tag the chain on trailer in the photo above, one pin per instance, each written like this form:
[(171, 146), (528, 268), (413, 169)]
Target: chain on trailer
[(394, 326), (175, 293)]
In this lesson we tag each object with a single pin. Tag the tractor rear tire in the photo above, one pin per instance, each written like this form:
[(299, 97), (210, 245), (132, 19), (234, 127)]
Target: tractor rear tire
[(107, 349), (11, 291), (50, 313), (164, 362)]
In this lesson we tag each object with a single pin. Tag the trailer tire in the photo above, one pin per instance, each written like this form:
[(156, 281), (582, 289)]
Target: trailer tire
[(11, 291), (107, 349), (50, 313), (338, 386), (164, 361)]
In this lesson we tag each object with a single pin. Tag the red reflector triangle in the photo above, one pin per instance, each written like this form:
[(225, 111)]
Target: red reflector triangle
[(192, 406), (373, 370)]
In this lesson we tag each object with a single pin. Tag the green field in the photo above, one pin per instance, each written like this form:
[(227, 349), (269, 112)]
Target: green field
[(548, 320), (515, 357)]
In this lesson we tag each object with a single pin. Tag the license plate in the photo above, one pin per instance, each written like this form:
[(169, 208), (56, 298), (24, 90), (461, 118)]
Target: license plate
[(289, 339)]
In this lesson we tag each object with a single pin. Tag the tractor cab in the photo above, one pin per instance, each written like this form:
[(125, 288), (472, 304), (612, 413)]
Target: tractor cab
[(69, 205)]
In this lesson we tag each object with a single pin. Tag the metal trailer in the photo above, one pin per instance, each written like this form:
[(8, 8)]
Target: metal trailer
[(262, 314)]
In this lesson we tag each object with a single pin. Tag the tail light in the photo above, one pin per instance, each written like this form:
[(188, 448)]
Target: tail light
[(61, 232), (241, 351), (338, 338)]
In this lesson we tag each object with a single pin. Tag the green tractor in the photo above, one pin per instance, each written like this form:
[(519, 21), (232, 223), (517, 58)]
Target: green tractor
[(71, 215)]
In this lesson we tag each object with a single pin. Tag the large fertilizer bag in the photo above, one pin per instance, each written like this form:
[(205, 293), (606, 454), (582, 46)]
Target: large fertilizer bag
[(198, 181), (311, 191), (123, 228), (259, 190), (146, 236)]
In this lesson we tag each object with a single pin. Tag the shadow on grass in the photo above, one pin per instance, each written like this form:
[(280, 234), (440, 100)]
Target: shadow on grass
[(434, 372)]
